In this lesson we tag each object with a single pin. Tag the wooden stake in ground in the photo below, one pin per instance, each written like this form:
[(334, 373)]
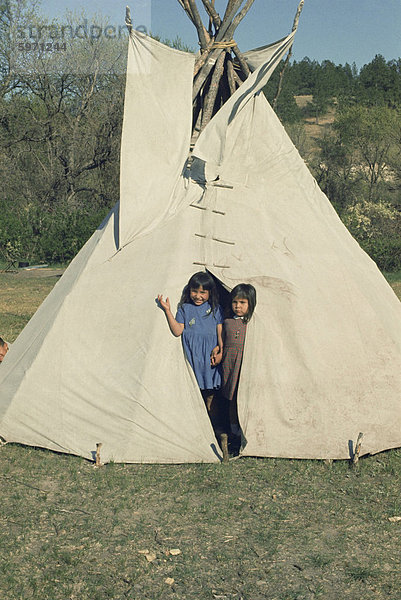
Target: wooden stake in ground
[(357, 451), (224, 447), (98, 462)]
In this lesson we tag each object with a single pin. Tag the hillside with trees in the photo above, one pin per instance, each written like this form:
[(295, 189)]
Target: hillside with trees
[(60, 136), (348, 129)]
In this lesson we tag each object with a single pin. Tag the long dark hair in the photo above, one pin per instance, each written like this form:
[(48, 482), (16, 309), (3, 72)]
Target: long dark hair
[(204, 280), (247, 292)]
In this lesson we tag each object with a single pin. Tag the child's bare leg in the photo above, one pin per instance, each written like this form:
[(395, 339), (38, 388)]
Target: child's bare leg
[(233, 414), (207, 396), (209, 399), (215, 405), (212, 402), (235, 428)]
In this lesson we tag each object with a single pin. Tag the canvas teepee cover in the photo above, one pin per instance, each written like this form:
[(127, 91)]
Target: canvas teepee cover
[(323, 352)]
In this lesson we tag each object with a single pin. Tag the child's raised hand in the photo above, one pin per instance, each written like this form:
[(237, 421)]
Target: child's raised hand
[(165, 304)]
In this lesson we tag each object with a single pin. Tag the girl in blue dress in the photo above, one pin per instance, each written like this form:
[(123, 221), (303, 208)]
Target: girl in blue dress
[(199, 320)]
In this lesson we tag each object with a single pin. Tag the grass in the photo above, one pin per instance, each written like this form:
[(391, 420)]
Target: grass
[(20, 296), (251, 530), (255, 528), (394, 280)]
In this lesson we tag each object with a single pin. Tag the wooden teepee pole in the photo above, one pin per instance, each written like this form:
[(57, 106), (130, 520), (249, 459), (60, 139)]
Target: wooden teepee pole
[(202, 33), (213, 89), (287, 60), (221, 34), (211, 11), (128, 20), (231, 76), (214, 76), (231, 6)]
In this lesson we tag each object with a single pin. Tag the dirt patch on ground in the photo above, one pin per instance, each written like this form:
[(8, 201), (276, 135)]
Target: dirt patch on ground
[(303, 100), (36, 273)]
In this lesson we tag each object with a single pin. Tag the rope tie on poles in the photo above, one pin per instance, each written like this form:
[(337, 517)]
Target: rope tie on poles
[(228, 44)]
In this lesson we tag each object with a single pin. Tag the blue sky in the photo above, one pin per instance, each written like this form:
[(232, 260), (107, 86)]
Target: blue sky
[(338, 30)]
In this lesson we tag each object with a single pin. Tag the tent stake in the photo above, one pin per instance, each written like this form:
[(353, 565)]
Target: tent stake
[(224, 447), (358, 444), (98, 462)]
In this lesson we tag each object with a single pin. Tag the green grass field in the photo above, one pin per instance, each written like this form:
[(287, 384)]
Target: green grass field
[(253, 529)]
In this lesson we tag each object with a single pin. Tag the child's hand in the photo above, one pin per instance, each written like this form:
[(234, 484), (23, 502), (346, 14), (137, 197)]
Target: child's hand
[(165, 304), (216, 356)]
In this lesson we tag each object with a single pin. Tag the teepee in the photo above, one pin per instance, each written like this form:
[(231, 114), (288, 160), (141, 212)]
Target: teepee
[(322, 361)]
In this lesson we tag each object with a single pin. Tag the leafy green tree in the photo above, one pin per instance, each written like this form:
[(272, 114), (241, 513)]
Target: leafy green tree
[(286, 107), (370, 133), (335, 171), (380, 82), (355, 158), (12, 14), (302, 142), (357, 168), (59, 148), (377, 227), (302, 75)]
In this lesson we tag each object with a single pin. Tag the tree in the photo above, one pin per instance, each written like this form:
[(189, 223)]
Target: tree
[(369, 131), (380, 82), (59, 141), (303, 75), (14, 16), (358, 171), (354, 160), (284, 104)]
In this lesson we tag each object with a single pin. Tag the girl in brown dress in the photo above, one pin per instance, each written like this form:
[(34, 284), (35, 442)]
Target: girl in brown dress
[(243, 302)]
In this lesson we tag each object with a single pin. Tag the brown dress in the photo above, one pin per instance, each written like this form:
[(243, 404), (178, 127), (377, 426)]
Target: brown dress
[(234, 331)]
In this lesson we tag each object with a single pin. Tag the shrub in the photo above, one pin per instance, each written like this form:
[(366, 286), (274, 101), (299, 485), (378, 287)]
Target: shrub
[(385, 251), (377, 227)]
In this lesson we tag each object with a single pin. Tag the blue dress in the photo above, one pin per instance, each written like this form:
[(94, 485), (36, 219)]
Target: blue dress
[(199, 338)]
